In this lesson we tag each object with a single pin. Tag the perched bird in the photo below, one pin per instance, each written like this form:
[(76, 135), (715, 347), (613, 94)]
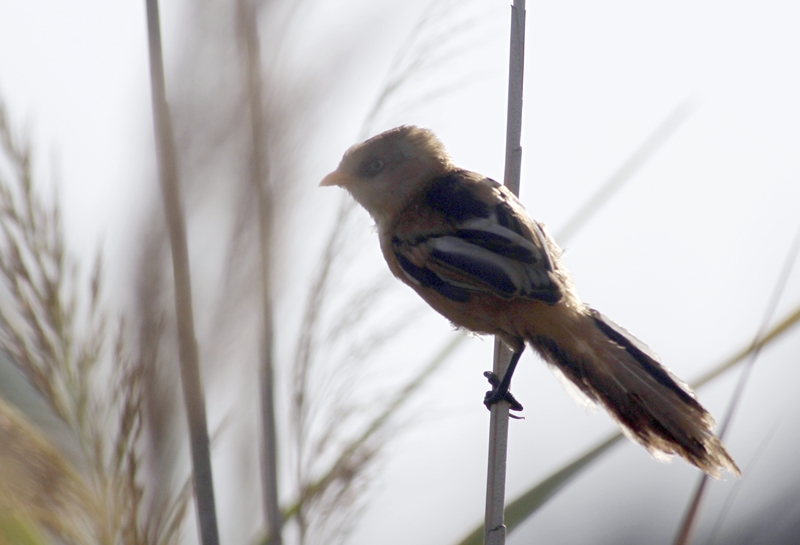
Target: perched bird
[(466, 245)]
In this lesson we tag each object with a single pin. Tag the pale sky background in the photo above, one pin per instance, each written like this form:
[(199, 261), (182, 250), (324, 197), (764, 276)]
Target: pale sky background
[(686, 255)]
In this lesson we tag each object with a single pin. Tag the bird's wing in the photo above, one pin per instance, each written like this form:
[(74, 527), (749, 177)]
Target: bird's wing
[(467, 234)]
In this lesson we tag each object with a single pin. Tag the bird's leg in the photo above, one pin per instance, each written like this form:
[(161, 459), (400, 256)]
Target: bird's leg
[(499, 391)]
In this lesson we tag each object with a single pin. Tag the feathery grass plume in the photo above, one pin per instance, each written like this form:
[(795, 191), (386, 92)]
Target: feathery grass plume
[(54, 329), (39, 488), (37, 319)]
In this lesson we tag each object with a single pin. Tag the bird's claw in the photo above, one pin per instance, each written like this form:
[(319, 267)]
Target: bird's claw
[(497, 394)]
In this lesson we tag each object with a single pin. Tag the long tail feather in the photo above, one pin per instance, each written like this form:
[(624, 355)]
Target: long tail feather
[(654, 408)]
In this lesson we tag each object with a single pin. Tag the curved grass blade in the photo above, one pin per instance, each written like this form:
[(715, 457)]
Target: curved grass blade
[(625, 172), (377, 425), (737, 486), (685, 529)]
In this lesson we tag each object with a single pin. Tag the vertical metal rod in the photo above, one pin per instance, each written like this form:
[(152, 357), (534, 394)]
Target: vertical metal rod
[(191, 380), (494, 526)]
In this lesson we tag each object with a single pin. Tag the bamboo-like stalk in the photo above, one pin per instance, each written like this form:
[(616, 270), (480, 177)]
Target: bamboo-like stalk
[(494, 527), (258, 177), (187, 343)]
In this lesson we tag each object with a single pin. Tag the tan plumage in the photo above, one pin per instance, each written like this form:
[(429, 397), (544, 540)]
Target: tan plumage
[(464, 243)]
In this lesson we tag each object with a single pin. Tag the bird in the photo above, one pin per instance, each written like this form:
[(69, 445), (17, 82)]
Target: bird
[(467, 246)]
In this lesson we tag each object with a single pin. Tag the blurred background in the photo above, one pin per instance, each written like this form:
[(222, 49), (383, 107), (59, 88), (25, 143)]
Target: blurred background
[(683, 116)]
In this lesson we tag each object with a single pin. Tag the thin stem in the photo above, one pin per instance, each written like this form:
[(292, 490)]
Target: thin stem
[(258, 176), (494, 527), (187, 343), (690, 516)]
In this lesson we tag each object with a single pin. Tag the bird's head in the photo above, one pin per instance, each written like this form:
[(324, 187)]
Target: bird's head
[(384, 172)]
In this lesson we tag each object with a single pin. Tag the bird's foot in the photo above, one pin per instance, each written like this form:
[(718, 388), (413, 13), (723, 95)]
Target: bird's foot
[(500, 393)]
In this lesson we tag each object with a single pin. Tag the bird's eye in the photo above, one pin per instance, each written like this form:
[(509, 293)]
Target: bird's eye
[(370, 167)]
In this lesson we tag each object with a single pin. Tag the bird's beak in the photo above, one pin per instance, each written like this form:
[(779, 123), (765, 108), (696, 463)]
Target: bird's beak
[(336, 178)]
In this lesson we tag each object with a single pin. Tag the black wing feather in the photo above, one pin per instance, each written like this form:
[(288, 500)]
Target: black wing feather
[(498, 244), (429, 279), (485, 270), (486, 249), (449, 195)]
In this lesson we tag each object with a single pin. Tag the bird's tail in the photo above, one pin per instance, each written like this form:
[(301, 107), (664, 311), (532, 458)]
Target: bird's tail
[(613, 368)]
